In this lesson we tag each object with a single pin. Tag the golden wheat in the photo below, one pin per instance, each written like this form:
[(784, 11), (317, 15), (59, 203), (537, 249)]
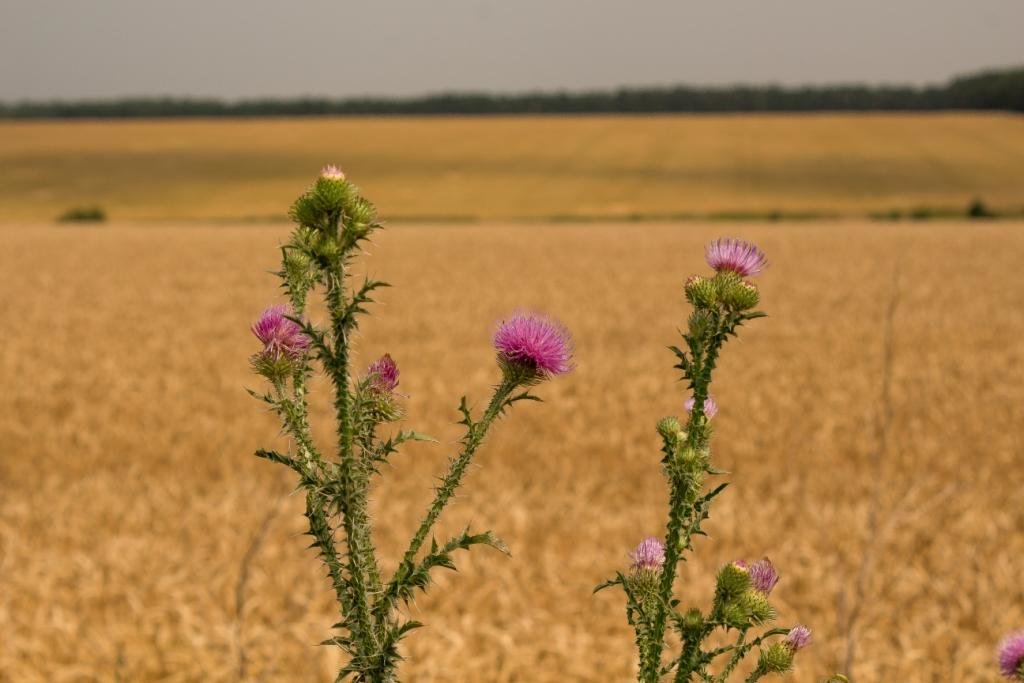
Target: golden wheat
[(518, 167), (140, 539)]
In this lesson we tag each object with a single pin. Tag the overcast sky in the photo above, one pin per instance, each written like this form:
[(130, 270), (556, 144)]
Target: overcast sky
[(245, 48)]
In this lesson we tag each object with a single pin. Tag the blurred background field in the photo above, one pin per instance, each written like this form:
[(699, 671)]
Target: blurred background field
[(140, 540), (516, 168)]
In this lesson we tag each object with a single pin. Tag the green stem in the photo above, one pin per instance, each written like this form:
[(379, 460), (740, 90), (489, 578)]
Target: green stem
[(352, 485), (323, 539), (456, 470), (650, 668)]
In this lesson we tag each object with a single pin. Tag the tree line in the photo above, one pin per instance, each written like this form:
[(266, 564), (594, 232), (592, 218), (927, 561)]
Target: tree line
[(994, 90)]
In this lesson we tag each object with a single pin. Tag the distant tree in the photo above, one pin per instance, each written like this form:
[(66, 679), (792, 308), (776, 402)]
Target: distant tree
[(993, 90)]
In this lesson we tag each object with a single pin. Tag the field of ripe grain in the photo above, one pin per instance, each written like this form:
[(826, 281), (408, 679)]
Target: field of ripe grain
[(129, 496), (450, 168)]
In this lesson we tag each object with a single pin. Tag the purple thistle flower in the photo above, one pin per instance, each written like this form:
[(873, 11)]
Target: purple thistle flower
[(710, 406), (649, 555), (332, 172), (1011, 655), (535, 341), (798, 638), (742, 258), (383, 374), (281, 337), (763, 576)]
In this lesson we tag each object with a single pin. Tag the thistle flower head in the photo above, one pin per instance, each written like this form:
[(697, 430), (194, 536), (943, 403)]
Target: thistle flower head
[(1011, 656), (798, 638), (281, 337), (742, 258), (763, 576), (649, 555), (710, 406), (332, 172), (383, 374), (535, 343)]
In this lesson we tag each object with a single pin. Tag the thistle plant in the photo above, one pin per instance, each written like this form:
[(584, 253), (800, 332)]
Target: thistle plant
[(740, 610), (332, 222)]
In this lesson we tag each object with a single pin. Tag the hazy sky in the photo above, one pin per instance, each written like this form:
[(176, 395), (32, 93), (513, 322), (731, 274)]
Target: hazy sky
[(244, 48)]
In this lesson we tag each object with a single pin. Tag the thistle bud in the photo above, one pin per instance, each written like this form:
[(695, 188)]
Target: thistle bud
[(740, 295), (645, 571), (755, 605), (733, 581), (776, 658), (380, 384), (733, 615), (693, 621), (331, 194), (297, 267), (700, 291), (670, 429)]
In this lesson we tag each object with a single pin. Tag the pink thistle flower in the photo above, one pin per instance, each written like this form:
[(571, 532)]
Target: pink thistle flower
[(742, 258), (1011, 656), (383, 374), (649, 555), (332, 172), (798, 638), (281, 337), (763, 576), (710, 406), (536, 342)]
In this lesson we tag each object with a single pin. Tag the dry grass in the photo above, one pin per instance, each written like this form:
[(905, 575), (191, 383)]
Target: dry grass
[(129, 498), (517, 167)]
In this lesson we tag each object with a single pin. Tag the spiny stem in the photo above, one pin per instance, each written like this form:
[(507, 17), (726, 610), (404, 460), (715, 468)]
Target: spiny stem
[(456, 470), (354, 517)]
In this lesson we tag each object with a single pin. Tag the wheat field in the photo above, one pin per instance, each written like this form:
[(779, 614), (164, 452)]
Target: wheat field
[(140, 540), (521, 167)]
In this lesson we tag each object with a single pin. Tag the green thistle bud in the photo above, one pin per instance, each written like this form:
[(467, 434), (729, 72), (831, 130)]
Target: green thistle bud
[(725, 279), (740, 295), (776, 658), (331, 195), (700, 291), (733, 615), (306, 213), (297, 267), (670, 429), (733, 581), (838, 678), (275, 367), (361, 214), (693, 621), (755, 604), (643, 583), (691, 458)]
